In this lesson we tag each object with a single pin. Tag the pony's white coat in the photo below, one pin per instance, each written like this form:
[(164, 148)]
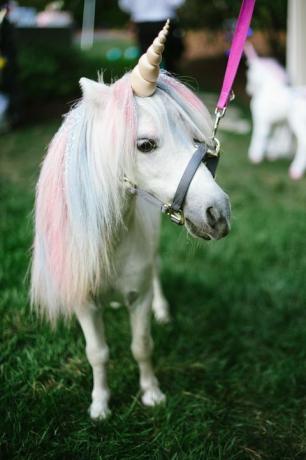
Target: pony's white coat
[(92, 235), (275, 106)]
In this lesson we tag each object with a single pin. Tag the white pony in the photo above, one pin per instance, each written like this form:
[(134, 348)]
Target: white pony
[(274, 102), (92, 235)]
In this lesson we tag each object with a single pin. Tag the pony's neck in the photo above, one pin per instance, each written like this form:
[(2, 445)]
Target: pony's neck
[(138, 216)]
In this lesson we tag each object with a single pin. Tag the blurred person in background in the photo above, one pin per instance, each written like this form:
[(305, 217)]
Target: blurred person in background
[(150, 16)]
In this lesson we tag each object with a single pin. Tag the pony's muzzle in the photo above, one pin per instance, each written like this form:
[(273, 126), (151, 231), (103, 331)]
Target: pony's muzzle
[(213, 223)]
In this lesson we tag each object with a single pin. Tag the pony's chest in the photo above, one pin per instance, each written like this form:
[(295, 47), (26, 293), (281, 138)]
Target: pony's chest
[(133, 269), (271, 103), (134, 257)]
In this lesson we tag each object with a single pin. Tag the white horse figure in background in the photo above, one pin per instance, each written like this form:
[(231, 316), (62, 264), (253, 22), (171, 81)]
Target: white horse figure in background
[(92, 235), (274, 102)]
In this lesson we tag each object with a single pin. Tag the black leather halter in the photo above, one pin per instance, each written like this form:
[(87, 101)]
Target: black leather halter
[(175, 209)]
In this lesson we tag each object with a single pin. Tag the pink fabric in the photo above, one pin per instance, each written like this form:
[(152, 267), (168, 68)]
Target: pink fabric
[(240, 35)]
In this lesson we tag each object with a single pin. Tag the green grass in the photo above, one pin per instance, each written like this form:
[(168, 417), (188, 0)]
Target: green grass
[(232, 362)]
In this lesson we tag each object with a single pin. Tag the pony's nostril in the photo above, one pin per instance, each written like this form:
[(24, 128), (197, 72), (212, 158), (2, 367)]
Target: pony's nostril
[(213, 216)]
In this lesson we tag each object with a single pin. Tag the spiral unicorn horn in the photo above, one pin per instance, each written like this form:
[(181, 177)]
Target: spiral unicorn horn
[(144, 76)]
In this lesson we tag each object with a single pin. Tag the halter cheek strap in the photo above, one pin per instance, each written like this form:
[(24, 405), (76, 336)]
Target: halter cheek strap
[(175, 209), (187, 177)]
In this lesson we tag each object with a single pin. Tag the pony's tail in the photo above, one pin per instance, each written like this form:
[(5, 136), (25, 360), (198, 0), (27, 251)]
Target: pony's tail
[(49, 290)]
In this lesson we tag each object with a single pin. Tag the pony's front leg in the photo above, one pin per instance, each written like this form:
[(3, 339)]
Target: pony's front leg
[(298, 166), (91, 321), (259, 140), (142, 347), (160, 304)]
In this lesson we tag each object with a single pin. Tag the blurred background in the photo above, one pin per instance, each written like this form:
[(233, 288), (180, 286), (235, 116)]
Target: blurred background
[(232, 361), (50, 51)]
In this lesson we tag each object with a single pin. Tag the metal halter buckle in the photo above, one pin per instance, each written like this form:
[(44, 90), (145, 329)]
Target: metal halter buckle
[(219, 114), (215, 150), (131, 186), (175, 216)]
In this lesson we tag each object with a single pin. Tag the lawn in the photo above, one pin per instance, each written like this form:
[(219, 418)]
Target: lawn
[(232, 361)]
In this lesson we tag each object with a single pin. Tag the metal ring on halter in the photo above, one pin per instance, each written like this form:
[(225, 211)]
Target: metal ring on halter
[(220, 112), (215, 151), (177, 217)]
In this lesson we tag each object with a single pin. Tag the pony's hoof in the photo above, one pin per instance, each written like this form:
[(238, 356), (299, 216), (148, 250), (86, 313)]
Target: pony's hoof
[(295, 175), (255, 160), (162, 317), (99, 411), (153, 397), (115, 305)]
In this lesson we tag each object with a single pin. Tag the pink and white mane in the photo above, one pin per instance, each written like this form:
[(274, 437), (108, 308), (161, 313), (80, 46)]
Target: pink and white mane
[(79, 198)]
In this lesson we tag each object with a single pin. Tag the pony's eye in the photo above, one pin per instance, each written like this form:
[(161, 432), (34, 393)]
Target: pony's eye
[(146, 145)]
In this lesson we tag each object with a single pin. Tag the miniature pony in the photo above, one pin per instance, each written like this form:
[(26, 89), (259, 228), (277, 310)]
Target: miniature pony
[(274, 102), (94, 236)]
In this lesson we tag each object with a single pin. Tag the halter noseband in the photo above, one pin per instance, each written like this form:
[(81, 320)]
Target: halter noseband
[(175, 209)]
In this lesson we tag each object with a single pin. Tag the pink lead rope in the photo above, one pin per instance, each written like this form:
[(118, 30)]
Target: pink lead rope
[(239, 38)]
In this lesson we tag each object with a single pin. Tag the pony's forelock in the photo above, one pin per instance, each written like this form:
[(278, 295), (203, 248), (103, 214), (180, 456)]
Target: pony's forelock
[(189, 105)]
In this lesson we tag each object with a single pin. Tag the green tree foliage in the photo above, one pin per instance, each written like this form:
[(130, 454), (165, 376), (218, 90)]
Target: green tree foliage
[(267, 14)]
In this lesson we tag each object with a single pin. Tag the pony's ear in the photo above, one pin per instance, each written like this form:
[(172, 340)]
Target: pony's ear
[(250, 51), (94, 92)]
